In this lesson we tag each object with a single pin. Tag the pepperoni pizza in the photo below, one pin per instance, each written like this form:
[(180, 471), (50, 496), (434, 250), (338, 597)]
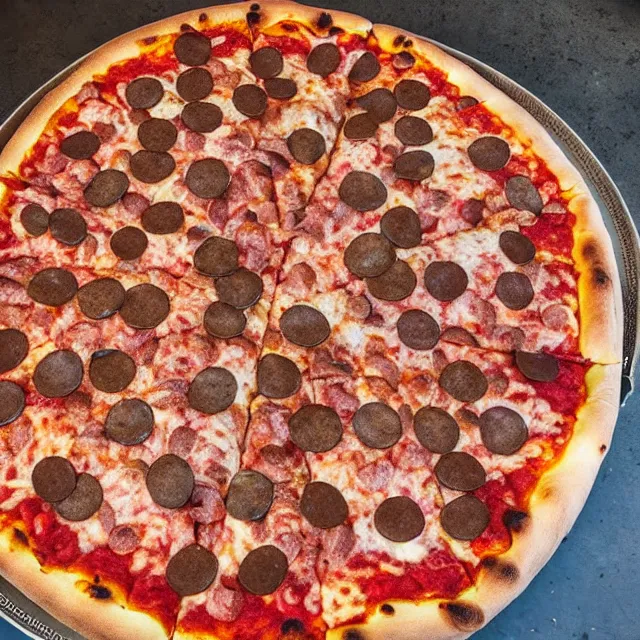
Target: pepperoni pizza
[(306, 331)]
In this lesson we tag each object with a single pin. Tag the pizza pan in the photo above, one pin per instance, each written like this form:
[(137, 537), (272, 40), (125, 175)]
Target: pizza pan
[(36, 623)]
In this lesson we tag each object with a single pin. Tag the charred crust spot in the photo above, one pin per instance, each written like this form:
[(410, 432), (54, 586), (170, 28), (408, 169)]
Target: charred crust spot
[(603, 448), (335, 31), (407, 58), (20, 536), (186, 27), (202, 17), (501, 569), (398, 41), (288, 26), (589, 250), (324, 20), (464, 615), (255, 7), (99, 592), (515, 520), (149, 40), (387, 609), (353, 634), (408, 43), (601, 277), (292, 625), (547, 492), (253, 18)]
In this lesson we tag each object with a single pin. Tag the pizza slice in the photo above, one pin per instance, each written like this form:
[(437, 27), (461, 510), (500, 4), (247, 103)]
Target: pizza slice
[(301, 58)]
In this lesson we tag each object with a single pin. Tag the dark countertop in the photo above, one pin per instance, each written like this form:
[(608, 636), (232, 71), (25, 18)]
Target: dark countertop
[(581, 57)]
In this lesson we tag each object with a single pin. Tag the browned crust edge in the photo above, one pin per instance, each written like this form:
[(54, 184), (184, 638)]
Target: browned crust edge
[(57, 592), (599, 292), (554, 507)]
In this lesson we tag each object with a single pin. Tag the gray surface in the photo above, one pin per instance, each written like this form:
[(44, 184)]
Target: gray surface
[(583, 60)]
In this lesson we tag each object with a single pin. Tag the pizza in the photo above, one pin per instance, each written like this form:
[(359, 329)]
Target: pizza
[(307, 331)]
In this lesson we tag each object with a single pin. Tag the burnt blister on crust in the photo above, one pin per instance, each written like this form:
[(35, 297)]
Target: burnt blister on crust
[(515, 520), (353, 634), (100, 592), (20, 536), (503, 570), (463, 615), (324, 20)]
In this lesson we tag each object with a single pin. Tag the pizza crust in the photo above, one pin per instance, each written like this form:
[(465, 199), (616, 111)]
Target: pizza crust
[(554, 507), (57, 592), (599, 291)]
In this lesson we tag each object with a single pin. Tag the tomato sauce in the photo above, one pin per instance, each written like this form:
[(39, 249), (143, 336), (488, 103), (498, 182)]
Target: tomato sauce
[(234, 40), (130, 69), (496, 538), (288, 45), (102, 562), (552, 232), (152, 594), (567, 392)]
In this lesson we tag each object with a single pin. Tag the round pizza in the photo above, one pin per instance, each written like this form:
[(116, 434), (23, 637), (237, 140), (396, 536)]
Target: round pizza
[(306, 331)]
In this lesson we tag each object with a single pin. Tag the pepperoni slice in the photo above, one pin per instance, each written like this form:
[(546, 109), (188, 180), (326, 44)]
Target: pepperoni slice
[(216, 257), (458, 335), (263, 570), (436, 430), (418, 330), (202, 117), (157, 134), (162, 218), (397, 283), (522, 194), (170, 481), (466, 102), (369, 255), (106, 188), (145, 306), (194, 84), (323, 505), (53, 478), (207, 178), (399, 519), (377, 425), (465, 518), (249, 496), (445, 281), (412, 95), (192, 49), (414, 165), (67, 226), (379, 103), (323, 59), (129, 422), (412, 131), (250, 100), (362, 191), (503, 430), (360, 127), (241, 289), (366, 68), (489, 153), (52, 287), (514, 290), (34, 219), (304, 326), (280, 88), (266, 62), (518, 248), (12, 402), (144, 93), (101, 298), (540, 367), (151, 166), (221, 320), (111, 370), (278, 377), (471, 211), (401, 225), (463, 381), (84, 500), (128, 243), (306, 145), (14, 347), (213, 390), (192, 570), (460, 471), (81, 145), (58, 374), (315, 428)]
